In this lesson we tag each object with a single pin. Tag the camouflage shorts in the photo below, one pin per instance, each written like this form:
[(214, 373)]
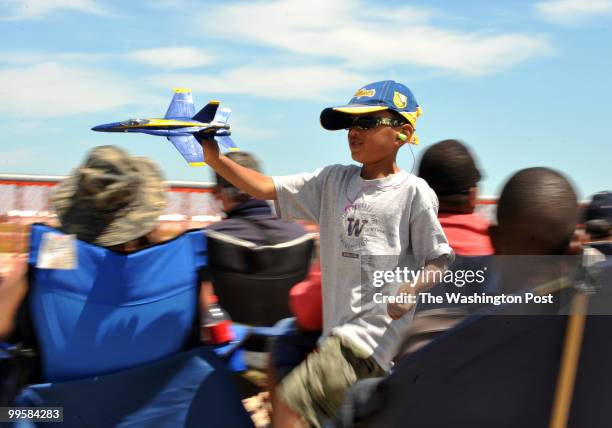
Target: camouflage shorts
[(316, 388)]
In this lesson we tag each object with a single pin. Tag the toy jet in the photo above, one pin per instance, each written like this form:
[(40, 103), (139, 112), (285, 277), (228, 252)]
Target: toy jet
[(180, 124)]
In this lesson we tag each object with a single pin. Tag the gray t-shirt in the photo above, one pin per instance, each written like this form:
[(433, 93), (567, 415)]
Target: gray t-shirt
[(365, 225)]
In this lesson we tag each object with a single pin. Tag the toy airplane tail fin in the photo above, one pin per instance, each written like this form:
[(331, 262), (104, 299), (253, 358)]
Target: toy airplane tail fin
[(222, 115), (208, 112), (181, 105)]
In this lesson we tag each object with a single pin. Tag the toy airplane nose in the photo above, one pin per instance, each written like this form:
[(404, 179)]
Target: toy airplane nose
[(107, 127)]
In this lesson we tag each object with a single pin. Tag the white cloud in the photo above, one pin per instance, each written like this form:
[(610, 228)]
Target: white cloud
[(172, 57), (573, 11), (362, 36), (35, 9), (164, 58), (36, 128), (53, 90), (299, 82), (30, 58)]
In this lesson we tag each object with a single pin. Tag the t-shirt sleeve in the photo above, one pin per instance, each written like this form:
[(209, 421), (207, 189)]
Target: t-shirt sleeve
[(299, 196), (428, 238)]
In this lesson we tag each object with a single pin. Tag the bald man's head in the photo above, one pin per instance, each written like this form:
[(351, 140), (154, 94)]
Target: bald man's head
[(537, 213)]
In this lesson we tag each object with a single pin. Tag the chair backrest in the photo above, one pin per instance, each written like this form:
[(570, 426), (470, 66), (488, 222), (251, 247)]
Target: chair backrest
[(253, 282), (499, 371), (189, 389), (114, 311)]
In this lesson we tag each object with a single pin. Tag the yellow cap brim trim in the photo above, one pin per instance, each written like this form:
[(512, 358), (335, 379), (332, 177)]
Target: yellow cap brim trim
[(234, 149), (410, 117), (197, 163), (360, 109)]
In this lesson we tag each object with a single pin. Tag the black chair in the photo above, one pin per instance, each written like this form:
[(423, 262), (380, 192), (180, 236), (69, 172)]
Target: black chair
[(497, 371), (253, 282)]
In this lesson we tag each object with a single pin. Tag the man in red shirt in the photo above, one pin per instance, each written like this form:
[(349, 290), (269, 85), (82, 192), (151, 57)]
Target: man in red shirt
[(450, 170)]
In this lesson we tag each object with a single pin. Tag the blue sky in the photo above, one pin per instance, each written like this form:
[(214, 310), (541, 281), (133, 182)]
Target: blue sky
[(524, 83)]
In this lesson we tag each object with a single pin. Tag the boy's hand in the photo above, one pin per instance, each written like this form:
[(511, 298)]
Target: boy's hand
[(211, 150), (398, 310), (410, 291), (248, 180)]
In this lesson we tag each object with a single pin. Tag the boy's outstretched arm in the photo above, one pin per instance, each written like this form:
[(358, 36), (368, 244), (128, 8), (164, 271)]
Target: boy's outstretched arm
[(252, 182)]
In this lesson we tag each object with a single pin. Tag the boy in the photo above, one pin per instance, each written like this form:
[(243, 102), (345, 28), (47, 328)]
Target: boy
[(364, 214)]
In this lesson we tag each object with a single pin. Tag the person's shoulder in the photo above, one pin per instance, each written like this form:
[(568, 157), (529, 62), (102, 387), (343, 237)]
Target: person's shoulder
[(339, 169), (225, 226), (419, 184), (320, 173), (421, 193), (289, 230), (480, 221), (335, 172), (278, 229)]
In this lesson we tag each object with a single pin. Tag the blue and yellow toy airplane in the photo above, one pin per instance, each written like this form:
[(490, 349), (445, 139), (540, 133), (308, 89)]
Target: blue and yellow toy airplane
[(180, 124)]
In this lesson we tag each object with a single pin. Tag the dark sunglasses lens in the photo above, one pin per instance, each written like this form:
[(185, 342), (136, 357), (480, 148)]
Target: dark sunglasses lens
[(366, 122)]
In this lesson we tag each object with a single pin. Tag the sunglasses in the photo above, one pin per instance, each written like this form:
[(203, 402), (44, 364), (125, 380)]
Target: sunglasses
[(370, 122)]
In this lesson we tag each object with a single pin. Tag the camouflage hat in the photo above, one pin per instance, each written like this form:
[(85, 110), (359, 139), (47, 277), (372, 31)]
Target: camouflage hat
[(112, 198)]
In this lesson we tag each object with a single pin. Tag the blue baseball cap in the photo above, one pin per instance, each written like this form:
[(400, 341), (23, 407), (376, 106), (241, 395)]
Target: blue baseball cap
[(377, 96)]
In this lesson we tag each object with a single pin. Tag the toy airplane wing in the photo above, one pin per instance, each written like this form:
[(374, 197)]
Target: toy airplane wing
[(181, 105), (227, 142), (189, 148)]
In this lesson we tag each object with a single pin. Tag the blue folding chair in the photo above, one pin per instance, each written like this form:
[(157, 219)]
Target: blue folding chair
[(115, 310), (190, 389), (113, 337)]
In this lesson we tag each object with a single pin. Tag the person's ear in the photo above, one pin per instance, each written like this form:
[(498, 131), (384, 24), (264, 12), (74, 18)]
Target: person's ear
[(400, 139), (407, 132)]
